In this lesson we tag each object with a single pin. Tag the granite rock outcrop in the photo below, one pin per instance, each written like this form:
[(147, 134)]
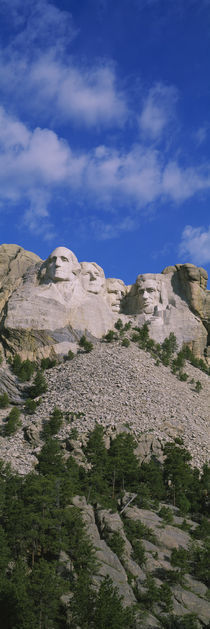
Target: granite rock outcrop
[(45, 307)]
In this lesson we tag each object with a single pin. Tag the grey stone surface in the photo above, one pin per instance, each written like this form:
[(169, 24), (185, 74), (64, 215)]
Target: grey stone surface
[(34, 299), (109, 564)]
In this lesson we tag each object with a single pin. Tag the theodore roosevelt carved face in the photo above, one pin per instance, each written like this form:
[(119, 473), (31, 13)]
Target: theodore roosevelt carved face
[(61, 266)]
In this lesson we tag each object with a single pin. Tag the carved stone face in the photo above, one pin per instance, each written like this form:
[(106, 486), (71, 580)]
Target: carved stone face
[(61, 266), (92, 277), (148, 293), (116, 291)]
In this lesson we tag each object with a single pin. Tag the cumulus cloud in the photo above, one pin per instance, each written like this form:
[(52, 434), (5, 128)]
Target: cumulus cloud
[(37, 58), (36, 164), (181, 183), (158, 110), (87, 95), (195, 244)]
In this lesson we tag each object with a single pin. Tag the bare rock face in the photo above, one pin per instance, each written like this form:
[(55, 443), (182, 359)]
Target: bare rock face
[(161, 300), (14, 261), (46, 307)]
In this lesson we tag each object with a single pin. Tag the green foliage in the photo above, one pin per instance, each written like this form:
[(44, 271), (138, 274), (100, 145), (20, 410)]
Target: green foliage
[(151, 595), (165, 597), (13, 422), (198, 386), (196, 362), (178, 362), (119, 324), (54, 424), (51, 458), (48, 363), (177, 473), (127, 326), (115, 541), (166, 514), (38, 521), (69, 356), (39, 385), (136, 530), (1, 358), (123, 467), (31, 406), (4, 400), (125, 342), (188, 621), (109, 611), (85, 344), (23, 369), (151, 475), (183, 376), (180, 559), (110, 336), (169, 345), (199, 559)]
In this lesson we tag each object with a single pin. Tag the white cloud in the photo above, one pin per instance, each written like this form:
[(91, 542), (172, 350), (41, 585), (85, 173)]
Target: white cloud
[(88, 96), (37, 25), (36, 70), (181, 183), (158, 110), (36, 164), (195, 244)]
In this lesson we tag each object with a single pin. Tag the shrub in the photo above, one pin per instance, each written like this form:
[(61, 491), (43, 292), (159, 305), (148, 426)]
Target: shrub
[(169, 345), (127, 326), (13, 422), (4, 400), (110, 336), (166, 598), (116, 542), (138, 553), (178, 362), (183, 376), (119, 324), (39, 385), (198, 386), (54, 424), (48, 363), (125, 342), (166, 514), (85, 344), (30, 406), (23, 369), (69, 356)]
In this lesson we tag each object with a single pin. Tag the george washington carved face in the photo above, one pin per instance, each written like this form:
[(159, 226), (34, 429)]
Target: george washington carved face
[(61, 266)]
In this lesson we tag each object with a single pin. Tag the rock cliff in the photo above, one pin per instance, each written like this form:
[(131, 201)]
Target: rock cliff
[(45, 307)]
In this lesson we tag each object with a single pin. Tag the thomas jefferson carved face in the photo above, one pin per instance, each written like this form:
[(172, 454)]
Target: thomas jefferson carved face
[(61, 266), (116, 290), (92, 277), (148, 292)]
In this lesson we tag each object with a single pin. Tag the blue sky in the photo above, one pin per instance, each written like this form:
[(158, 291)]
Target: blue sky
[(105, 131)]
